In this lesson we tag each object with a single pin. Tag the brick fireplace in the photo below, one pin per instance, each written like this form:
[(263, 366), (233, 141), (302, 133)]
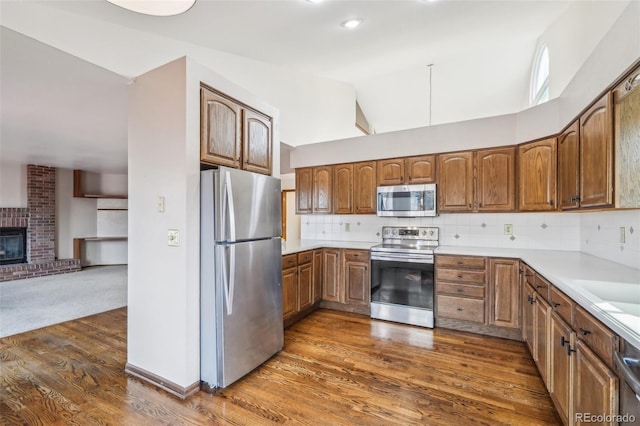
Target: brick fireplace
[(39, 217)]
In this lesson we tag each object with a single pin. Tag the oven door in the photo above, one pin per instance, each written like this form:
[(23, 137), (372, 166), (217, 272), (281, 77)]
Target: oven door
[(402, 289)]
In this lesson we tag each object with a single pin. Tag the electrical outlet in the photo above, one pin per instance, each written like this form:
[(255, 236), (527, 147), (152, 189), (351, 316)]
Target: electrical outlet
[(508, 229), (622, 234), (173, 238), (160, 204), (347, 227)]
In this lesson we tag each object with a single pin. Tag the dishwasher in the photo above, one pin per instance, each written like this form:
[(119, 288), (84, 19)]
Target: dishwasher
[(628, 365)]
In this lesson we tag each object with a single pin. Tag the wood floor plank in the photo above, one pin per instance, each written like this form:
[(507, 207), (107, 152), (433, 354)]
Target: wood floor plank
[(335, 369)]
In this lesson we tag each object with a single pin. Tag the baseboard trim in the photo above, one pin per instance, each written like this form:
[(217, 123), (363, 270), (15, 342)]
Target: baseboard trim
[(164, 384), (473, 327)]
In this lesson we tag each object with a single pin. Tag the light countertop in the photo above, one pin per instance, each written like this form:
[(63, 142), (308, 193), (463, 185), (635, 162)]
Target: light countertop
[(295, 246), (608, 290)]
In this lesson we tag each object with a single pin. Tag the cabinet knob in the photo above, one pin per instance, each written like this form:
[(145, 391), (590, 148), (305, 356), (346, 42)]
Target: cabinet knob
[(584, 332), (470, 205), (550, 202)]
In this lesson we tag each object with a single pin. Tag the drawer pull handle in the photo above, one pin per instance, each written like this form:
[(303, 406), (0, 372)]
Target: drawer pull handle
[(459, 263), (563, 341), (460, 290), (584, 332), (459, 309), (459, 276), (555, 304), (539, 286)]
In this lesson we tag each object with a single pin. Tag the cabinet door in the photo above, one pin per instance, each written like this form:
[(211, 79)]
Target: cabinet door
[(331, 288), (420, 169), (504, 293), (391, 171), (304, 190), (596, 163), (322, 187), (455, 176), (220, 130), (595, 387), (317, 275), (561, 342), (541, 333), (305, 286), (256, 147), (537, 176), (289, 292), (528, 319), (364, 193), (568, 170), (627, 149), (343, 188), (356, 277), (495, 189)]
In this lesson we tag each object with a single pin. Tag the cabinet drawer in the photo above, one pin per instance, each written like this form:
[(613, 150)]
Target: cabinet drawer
[(356, 255), (560, 303), (460, 308), (461, 276), (305, 257), (465, 262), (542, 286), (289, 261), (598, 337), (460, 290)]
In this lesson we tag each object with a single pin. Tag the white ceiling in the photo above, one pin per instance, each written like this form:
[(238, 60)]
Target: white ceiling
[(60, 110)]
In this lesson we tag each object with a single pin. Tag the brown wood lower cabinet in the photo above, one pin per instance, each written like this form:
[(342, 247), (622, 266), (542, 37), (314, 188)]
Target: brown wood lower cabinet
[(317, 275), (298, 285), (346, 280), (573, 352)]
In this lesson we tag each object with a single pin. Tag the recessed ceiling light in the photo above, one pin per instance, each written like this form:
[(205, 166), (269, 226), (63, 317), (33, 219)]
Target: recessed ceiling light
[(352, 23), (155, 8)]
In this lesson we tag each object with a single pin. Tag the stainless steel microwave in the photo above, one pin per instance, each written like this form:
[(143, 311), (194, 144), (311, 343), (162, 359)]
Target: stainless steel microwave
[(407, 200)]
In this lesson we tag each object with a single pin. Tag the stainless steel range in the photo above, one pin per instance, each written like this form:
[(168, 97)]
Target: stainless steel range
[(402, 275)]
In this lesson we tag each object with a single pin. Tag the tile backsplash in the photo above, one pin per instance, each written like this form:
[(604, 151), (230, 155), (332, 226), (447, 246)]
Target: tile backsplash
[(600, 236), (551, 231)]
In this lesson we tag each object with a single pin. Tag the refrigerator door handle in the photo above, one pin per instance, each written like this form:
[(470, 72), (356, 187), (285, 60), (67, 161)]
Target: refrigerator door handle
[(229, 278), (231, 206)]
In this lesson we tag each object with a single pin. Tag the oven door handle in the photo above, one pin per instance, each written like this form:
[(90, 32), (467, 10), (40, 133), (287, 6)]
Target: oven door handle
[(624, 365), (402, 258)]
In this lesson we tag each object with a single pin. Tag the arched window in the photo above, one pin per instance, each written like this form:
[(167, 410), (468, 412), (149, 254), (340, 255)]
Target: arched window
[(540, 77)]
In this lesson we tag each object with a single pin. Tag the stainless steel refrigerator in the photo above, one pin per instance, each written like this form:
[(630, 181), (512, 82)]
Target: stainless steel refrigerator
[(240, 274)]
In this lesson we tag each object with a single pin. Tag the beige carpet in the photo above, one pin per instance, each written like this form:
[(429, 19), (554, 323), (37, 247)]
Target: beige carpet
[(38, 302)]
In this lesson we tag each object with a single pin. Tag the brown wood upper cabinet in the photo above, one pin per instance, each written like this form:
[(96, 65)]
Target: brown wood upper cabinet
[(626, 109), (364, 190), (314, 186), (537, 175), (233, 135), (408, 170), (493, 188), (591, 140), (343, 188)]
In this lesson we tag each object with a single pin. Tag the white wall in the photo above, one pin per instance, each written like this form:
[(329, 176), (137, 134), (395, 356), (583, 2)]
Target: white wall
[(292, 219), (164, 281), (312, 108), (616, 52), (13, 185), (75, 217)]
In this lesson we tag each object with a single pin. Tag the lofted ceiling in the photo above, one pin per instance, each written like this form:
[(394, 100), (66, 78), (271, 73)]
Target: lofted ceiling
[(61, 110)]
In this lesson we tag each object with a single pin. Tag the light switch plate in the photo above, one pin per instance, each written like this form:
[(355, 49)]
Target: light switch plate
[(173, 238), (508, 229)]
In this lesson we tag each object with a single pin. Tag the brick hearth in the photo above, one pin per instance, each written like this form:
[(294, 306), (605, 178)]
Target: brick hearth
[(40, 220)]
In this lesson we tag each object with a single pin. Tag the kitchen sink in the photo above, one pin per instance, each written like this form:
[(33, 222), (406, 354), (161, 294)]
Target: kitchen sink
[(626, 293)]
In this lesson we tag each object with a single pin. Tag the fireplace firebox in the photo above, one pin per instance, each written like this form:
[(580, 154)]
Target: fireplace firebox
[(13, 246)]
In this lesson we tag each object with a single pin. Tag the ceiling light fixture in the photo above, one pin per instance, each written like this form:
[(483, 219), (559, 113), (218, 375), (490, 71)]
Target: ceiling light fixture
[(155, 7), (352, 23)]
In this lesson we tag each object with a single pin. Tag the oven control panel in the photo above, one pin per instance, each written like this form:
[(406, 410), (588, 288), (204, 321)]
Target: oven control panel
[(410, 233)]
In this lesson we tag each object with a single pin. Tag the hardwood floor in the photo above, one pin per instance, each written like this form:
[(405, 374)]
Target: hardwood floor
[(335, 368)]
